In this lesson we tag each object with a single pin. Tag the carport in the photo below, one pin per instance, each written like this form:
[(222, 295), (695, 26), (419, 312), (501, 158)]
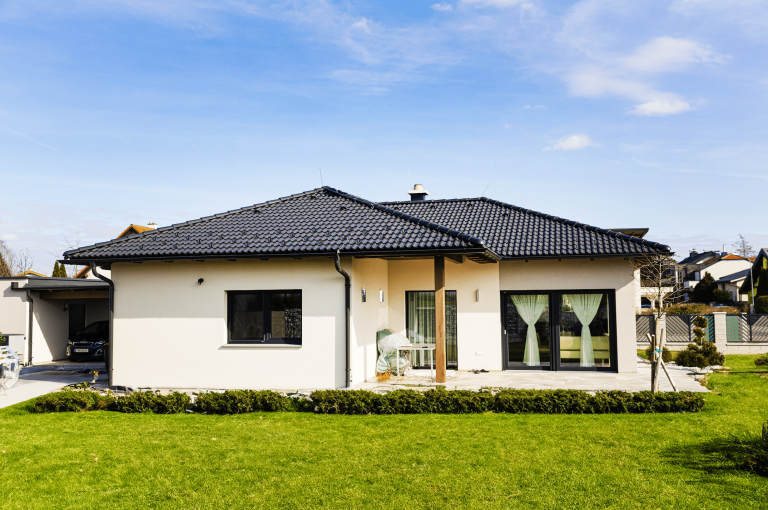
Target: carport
[(47, 311)]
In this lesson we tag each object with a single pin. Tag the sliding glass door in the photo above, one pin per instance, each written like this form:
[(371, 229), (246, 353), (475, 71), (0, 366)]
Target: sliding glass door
[(420, 324), (559, 330)]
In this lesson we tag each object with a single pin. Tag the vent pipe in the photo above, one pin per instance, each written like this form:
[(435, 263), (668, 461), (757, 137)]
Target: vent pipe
[(418, 193)]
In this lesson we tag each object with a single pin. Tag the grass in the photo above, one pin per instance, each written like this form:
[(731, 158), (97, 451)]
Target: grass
[(299, 460)]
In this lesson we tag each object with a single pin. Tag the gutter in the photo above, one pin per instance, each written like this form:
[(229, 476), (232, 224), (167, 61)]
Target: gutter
[(31, 324), (111, 284), (337, 260)]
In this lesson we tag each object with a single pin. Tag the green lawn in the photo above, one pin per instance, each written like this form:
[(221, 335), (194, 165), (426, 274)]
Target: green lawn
[(299, 460)]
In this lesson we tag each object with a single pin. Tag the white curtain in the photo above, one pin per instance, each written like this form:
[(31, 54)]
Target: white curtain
[(530, 309), (585, 307)]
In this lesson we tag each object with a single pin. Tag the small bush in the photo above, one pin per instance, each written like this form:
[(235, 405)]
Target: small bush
[(761, 304), (722, 296), (72, 401), (700, 356), (242, 401), (666, 355), (687, 309), (147, 402), (762, 360)]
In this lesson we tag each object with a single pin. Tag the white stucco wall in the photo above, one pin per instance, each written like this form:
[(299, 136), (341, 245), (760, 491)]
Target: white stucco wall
[(583, 274), (369, 317), (171, 332), (13, 307), (478, 324)]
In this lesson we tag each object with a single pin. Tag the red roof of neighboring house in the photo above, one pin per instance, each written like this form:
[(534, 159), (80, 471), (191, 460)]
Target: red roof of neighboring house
[(737, 257), (31, 273)]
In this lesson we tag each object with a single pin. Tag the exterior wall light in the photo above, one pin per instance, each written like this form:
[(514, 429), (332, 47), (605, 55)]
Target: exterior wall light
[(200, 281), (363, 295), (477, 295), (381, 296)]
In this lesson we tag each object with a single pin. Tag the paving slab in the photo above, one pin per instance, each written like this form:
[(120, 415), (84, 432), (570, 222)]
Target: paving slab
[(31, 385), (544, 380)]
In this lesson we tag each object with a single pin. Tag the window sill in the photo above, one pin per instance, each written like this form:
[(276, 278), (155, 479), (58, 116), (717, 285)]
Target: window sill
[(260, 346)]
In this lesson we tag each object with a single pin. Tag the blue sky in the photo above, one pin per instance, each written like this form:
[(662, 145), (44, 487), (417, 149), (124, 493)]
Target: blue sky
[(613, 113)]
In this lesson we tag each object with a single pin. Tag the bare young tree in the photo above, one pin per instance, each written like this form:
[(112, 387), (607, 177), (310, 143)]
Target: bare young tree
[(13, 262), (743, 247), (657, 278)]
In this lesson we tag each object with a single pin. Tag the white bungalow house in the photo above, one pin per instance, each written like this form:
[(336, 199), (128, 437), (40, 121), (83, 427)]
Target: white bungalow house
[(291, 293)]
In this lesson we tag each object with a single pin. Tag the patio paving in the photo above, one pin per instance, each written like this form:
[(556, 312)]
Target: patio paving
[(544, 380)]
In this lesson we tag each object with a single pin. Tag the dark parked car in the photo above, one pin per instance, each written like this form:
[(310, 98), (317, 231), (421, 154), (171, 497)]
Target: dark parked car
[(90, 343)]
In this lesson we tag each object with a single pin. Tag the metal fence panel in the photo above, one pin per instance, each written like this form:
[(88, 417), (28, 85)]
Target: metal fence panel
[(679, 328), (644, 324), (759, 327)]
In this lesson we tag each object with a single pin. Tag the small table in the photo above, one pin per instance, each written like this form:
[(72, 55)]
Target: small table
[(418, 347)]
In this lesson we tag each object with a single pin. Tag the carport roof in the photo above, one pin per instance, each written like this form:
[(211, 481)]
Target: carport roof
[(323, 220), (39, 284)]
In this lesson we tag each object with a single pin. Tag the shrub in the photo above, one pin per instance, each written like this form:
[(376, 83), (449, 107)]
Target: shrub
[(722, 296), (761, 304), (757, 462), (666, 355), (702, 292), (242, 401), (147, 402), (72, 401), (440, 401), (700, 356), (762, 360), (689, 309)]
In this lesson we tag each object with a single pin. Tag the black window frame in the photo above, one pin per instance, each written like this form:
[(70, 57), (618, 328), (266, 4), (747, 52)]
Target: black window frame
[(555, 298), (267, 337)]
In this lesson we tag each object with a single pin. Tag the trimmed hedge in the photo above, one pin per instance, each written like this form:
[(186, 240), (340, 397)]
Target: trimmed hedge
[(242, 401), (147, 402), (360, 402), (72, 401), (505, 401)]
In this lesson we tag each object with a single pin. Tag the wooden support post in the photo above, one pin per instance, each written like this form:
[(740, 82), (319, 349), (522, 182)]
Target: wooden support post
[(440, 360)]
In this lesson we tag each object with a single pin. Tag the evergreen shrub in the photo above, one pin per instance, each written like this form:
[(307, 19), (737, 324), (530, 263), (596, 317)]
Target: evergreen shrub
[(700, 356), (666, 355), (241, 401), (148, 402), (722, 296), (761, 304), (72, 401)]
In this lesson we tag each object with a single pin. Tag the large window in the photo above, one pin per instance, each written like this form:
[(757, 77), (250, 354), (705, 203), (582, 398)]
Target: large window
[(420, 324), (264, 316), (559, 330)]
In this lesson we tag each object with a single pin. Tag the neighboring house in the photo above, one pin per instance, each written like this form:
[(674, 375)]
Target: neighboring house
[(717, 264), (732, 284), (760, 262), (29, 273), (132, 229), (256, 297), (43, 312)]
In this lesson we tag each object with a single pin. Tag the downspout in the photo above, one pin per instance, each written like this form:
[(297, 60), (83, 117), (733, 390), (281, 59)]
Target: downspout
[(31, 325), (343, 273), (109, 359)]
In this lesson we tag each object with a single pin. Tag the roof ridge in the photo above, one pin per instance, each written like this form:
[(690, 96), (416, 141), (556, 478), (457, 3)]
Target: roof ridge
[(408, 217), (192, 222), (576, 224)]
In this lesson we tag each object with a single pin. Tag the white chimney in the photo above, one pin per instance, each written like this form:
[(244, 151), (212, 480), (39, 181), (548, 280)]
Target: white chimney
[(152, 225)]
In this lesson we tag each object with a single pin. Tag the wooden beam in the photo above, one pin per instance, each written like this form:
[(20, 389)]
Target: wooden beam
[(440, 360)]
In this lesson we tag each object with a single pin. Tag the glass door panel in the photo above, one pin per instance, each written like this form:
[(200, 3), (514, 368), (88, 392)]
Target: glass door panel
[(527, 330), (584, 330), (420, 324)]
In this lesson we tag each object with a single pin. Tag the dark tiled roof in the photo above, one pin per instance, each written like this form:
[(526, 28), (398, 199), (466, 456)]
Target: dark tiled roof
[(321, 221), (514, 232), (698, 258), (316, 222), (734, 276)]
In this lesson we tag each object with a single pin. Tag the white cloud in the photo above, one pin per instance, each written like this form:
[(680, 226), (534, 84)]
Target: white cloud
[(363, 24), (570, 143), (661, 108), (666, 54), (9, 237), (444, 7), (534, 107)]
